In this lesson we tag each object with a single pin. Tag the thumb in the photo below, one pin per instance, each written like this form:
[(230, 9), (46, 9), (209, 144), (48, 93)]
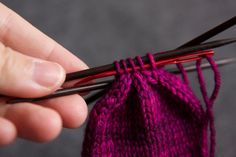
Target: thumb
[(24, 76)]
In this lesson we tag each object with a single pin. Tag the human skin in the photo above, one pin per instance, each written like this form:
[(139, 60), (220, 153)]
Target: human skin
[(34, 65)]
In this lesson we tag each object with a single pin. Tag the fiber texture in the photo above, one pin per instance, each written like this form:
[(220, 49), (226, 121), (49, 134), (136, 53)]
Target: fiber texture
[(151, 113)]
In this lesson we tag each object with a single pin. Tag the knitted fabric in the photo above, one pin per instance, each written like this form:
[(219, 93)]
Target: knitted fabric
[(151, 113)]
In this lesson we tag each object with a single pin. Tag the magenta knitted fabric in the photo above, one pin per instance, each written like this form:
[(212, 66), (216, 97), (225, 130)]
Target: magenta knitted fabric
[(151, 113)]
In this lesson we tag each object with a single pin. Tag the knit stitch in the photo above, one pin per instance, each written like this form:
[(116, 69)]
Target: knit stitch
[(151, 113)]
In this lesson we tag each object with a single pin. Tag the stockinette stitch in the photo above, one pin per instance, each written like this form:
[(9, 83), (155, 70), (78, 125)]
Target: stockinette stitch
[(151, 113)]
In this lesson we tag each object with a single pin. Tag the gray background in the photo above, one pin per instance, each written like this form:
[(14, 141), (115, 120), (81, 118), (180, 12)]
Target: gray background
[(101, 31)]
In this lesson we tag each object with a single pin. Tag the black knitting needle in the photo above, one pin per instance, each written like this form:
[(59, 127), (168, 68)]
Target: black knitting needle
[(210, 33), (95, 86), (203, 37), (104, 84), (195, 41), (219, 63), (157, 56), (190, 68)]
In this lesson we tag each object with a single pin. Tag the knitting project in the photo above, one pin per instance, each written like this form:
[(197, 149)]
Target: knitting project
[(151, 113)]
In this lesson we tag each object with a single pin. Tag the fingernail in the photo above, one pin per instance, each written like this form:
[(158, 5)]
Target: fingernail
[(48, 74)]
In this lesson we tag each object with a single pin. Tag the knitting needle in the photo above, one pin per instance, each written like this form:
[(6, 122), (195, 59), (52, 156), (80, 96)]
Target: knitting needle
[(161, 56), (204, 46), (219, 63), (182, 51), (210, 33), (197, 40), (179, 59), (158, 56), (104, 84), (201, 38), (190, 68)]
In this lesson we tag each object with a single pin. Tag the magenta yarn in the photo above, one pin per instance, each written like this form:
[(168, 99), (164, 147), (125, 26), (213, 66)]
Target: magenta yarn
[(151, 113)]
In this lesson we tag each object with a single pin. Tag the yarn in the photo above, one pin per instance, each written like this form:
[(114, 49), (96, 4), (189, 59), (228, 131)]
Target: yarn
[(151, 113)]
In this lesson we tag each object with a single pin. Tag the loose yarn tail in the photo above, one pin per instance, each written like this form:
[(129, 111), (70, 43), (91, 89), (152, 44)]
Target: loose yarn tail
[(209, 101)]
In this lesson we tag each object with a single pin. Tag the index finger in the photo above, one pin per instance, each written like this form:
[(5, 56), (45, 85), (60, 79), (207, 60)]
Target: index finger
[(20, 35)]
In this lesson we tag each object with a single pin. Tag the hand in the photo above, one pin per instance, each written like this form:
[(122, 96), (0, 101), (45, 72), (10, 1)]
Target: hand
[(34, 65)]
